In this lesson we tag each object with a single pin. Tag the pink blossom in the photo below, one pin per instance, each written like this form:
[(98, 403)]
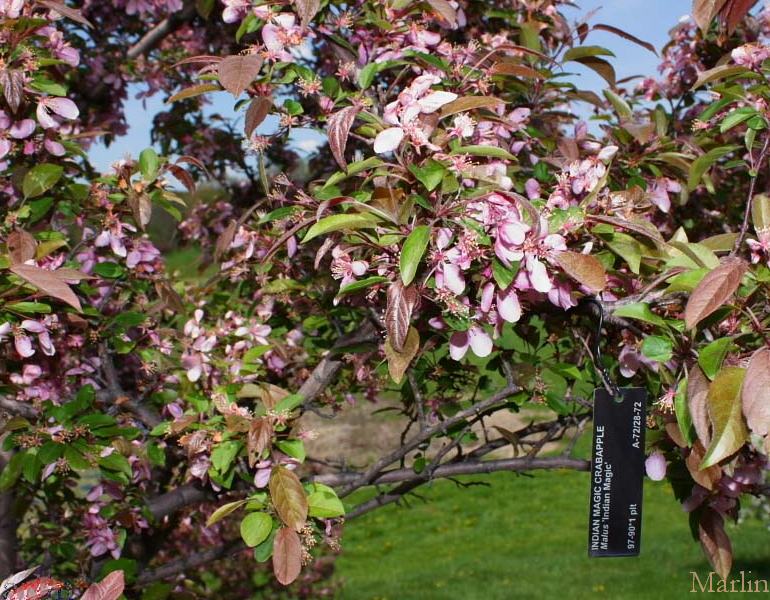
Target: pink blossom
[(750, 56), (345, 268), (760, 248), (11, 9), (262, 476), (403, 114), (655, 465), (23, 342), (475, 338), (279, 33), (659, 191), (235, 10), (631, 360), (114, 236), (64, 107)]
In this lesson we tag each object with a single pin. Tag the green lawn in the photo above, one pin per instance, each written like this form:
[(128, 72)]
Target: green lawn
[(524, 537)]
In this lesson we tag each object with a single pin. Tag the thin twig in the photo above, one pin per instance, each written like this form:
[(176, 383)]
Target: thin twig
[(747, 211)]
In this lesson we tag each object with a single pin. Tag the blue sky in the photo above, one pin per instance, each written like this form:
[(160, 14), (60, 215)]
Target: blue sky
[(647, 19)]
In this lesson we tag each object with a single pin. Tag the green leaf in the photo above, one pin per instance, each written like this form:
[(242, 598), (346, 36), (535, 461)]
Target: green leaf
[(293, 107), (760, 212), (255, 528), (736, 117), (682, 412), (641, 312), (149, 163), (503, 275), (429, 175), (224, 454), (481, 150), (657, 348), (627, 248), (701, 164), (323, 502), (361, 284), (224, 511), (583, 51), (109, 270), (115, 462), (366, 75), (40, 178), (264, 551), (724, 406), (340, 222), (293, 448), (29, 307), (412, 252), (11, 472), (353, 168), (621, 106), (289, 403), (711, 357)]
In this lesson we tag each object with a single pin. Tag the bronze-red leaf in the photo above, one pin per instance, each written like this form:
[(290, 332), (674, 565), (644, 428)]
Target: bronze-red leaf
[(256, 113), (238, 71), (287, 555), (109, 588), (714, 290), (338, 130), (402, 301)]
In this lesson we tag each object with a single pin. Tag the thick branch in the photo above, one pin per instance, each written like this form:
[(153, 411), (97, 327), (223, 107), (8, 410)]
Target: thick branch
[(465, 468), (167, 504), (157, 34), (452, 469), (8, 540), (198, 559), (16, 408), (144, 413), (326, 371)]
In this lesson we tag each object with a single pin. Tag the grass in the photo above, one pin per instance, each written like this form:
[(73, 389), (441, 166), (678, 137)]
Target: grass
[(525, 537)]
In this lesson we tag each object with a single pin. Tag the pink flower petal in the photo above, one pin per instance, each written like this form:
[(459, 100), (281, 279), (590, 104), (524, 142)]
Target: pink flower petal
[(538, 275), (43, 116), (655, 465), (64, 107), (24, 345), (435, 100), (508, 305), (388, 140), (481, 343), (487, 295), (22, 129), (458, 345), (453, 278)]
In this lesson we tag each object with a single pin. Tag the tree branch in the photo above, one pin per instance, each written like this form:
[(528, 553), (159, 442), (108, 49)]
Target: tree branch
[(324, 373), (372, 473), (157, 34), (191, 561), (144, 413), (167, 504), (752, 185), (409, 480), (8, 540)]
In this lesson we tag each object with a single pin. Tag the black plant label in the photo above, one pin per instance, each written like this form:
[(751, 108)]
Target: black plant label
[(617, 473)]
